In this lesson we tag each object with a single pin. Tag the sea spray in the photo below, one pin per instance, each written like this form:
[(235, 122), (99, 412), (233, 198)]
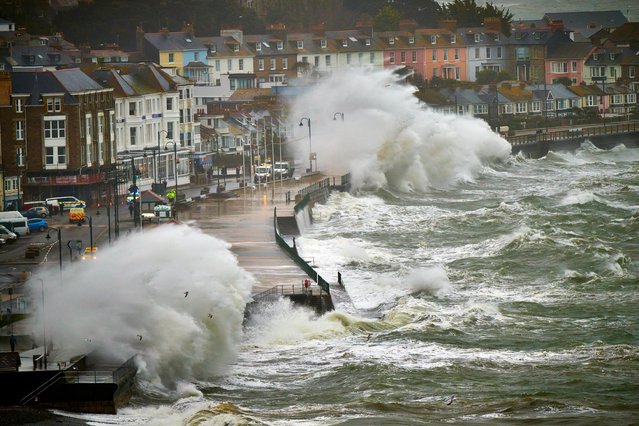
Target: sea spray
[(172, 295), (387, 138)]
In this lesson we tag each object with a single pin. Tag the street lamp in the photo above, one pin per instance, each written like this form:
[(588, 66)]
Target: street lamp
[(310, 145), (59, 231), (157, 165), (341, 114), (166, 148)]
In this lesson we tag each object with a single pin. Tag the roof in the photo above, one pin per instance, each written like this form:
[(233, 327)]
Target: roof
[(628, 32), (34, 56), (76, 81), (574, 50), (36, 84), (168, 41), (587, 23), (248, 94), (134, 79)]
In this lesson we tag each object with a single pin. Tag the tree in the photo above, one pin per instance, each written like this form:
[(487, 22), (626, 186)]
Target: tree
[(468, 14), (387, 19)]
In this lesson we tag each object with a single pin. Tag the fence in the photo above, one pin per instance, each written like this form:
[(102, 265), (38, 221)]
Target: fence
[(574, 133)]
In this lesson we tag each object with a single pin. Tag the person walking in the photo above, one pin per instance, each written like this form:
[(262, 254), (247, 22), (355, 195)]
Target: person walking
[(12, 342), (131, 208)]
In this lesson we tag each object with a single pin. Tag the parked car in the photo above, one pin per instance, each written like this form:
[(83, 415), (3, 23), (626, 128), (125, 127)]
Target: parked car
[(36, 212), (2, 242), (38, 224), (7, 235)]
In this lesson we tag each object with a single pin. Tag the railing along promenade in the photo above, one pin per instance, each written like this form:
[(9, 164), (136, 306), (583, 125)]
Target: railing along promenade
[(574, 133)]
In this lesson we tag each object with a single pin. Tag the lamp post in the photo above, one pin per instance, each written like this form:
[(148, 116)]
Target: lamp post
[(59, 231), (90, 234), (341, 114), (166, 148), (310, 144)]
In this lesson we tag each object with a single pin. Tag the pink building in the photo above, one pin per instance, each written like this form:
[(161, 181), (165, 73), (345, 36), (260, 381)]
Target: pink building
[(567, 60)]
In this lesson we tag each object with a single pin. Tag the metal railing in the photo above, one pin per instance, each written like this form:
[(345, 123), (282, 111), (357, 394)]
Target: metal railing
[(574, 133)]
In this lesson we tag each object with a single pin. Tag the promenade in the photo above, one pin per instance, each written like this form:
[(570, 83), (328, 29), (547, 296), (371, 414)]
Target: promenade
[(243, 217)]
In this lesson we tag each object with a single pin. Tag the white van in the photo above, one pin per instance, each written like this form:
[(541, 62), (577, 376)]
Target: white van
[(66, 203), (11, 214), (19, 225)]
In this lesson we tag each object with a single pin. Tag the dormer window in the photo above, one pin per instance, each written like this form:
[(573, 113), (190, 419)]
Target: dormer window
[(477, 38), (391, 40), (411, 40), (280, 45), (612, 56), (368, 42), (345, 43), (323, 43), (258, 46), (433, 39), (497, 37), (453, 39), (213, 48), (236, 48), (300, 44), (595, 56)]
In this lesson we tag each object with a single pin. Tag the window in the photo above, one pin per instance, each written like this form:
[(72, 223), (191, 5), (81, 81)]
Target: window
[(522, 107), (477, 54), (229, 64), (196, 56), (595, 56), (260, 64), (632, 72), (536, 106), (591, 101), (574, 66), (433, 39), (631, 98), (403, 56), (477, 38), (345, 43), (499, 54), (300, 44), (169, 130), (20, 158), (241, 64), (133, 133), (327, 59), (305, 59), (445, 54), (597, 71), (559, 67), (258, 46), (434, 72), (391, 40), (272, 61), (54, 104), (411, 40), (434, 54), (171, 58), (617, 99), (217, 65), (613, 72), (323, 43), (54, 129), (181, 116), (280, 45), (19, 103), (414, 56), (372, 57), (236, 48), (456, 54), (457, 73), (55, 155), (284, 63), (612, 56), (453, 39), (488, 53), (316, 61), (132, 108), (368, 42), (19, 130), (87, 125), (480, 109), (391, 58)]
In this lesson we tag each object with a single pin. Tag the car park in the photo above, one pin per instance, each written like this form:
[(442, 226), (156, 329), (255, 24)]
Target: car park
[(38, 224), (36, 212)]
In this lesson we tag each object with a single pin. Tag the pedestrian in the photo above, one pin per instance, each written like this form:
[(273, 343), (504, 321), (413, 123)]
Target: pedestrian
[(12, 342), (131, 208)]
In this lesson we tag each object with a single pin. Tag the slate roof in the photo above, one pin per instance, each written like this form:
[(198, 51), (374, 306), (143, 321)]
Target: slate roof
[(37, 56), (37, 84), (170, 41), (76, 81), (574, 50), (588, 23)]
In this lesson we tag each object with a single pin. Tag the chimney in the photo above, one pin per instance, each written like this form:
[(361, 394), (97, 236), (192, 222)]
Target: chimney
[(139, 39), (278, 30), (365, 26), (408, 25), (318, 29), (556, 25), (236, 33), (492, 24), (448, 24), (187, 29)]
